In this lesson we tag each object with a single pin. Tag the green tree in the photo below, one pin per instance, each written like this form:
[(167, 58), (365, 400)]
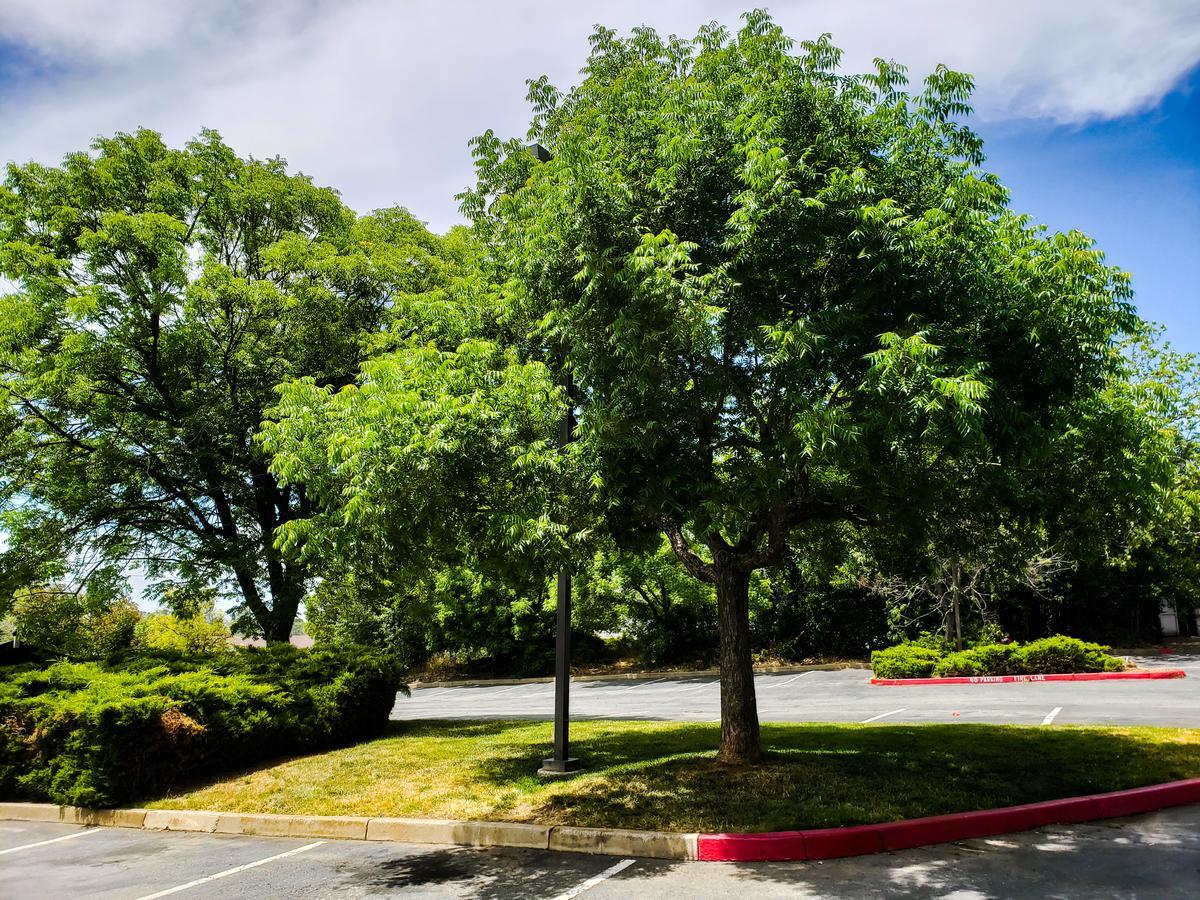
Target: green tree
[(669, 617), (161, 295), (200, 633), (787, 296), (74, 624), (1138, 489)]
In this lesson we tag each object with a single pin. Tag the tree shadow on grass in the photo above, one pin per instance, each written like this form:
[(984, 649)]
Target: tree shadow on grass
[(665, 776), (827, 776)]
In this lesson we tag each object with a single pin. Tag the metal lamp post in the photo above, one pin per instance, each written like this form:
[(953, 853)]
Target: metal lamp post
[(561, 763)]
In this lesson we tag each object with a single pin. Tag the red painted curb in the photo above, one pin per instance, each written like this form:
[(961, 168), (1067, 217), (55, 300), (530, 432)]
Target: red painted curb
[(859, 840), (1152, 674)]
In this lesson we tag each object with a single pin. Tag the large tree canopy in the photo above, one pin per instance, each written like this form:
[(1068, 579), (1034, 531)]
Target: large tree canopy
[(788, 296), (790, 300), (161, 295)]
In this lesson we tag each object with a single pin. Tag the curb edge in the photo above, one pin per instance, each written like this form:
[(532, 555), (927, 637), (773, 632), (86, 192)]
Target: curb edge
[(773, 846), (860, 840), (1147, 675)]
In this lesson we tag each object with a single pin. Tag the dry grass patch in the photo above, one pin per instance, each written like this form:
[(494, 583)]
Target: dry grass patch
[(663, 775)]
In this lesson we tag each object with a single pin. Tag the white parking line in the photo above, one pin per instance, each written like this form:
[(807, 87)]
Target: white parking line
[(207, 878), (596, 879), (533, 685), (883, 715), (65, 837), (640, 685), (701, 686), (1050, 715), (789, 681)]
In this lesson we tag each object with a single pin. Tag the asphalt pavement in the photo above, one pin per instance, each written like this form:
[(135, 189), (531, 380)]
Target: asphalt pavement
[(844, 695), (1156, 856), (1148, 856)]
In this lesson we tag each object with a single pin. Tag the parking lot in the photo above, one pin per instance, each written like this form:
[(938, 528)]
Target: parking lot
[(844, 695), (1148, 856), (1156, 855)]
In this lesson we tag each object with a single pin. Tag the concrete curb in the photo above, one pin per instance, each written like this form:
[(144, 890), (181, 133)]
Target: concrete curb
[(859, 840), (672, 674), (1146, 675), (818, 843), (604, 841)]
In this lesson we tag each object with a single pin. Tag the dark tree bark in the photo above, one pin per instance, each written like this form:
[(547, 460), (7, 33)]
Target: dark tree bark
[(730, 573), (285, 603), (739, 709)]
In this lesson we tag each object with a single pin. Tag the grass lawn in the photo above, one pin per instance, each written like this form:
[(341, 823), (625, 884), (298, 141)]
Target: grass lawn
[(663, 775)]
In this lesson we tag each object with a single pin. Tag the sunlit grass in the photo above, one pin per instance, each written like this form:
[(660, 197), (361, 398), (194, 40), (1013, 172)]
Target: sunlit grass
[(664, 775)]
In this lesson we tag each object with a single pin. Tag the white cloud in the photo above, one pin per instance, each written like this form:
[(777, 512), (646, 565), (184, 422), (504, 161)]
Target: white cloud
[(379, 97)]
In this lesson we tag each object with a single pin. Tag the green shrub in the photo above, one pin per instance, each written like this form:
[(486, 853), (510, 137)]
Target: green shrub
[(905, 661), (933, 640), (183, 634), (986, 659), (964, 662), (93, 734), (64, 624), (112, 630), (1045, 656), (1064, 654)]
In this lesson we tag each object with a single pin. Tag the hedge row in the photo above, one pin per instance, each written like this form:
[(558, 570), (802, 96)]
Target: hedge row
[(1048, 655), (92, 734)]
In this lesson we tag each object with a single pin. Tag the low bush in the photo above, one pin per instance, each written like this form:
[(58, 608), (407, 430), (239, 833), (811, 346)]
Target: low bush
[(986, 659), (99, 734), (1065, 654), (904, 661), (964, 662), (64, 624), (1048, 655), (192, 634)]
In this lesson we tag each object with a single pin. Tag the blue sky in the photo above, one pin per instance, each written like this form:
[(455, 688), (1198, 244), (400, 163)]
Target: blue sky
[(1090, 108), (1132, 183)]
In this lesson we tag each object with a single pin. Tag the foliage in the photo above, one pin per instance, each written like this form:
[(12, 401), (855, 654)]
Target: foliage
[(161, 295), (788, 297), (49, 620), (1064, 654), (63, 623), (984, 659), (904, 661), (97, 734), (1045, 656), (185, 635), (113, 630), (436, 458), (667, 617), (812, 605)]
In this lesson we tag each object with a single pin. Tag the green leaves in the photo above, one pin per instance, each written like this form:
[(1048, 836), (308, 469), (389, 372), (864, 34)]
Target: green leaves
[(435, 454), (786, 294), (162, 294)]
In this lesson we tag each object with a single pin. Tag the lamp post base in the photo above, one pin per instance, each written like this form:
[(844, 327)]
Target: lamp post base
[(558, 768)]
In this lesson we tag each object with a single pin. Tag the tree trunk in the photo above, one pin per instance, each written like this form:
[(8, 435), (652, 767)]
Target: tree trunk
[(279, 630), (287, 590), (286, 593), (739, 711), (957, 607)]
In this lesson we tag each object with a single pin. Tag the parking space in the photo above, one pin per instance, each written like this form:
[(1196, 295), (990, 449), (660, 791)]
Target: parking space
[(835, 696), (49, 861), (1156, 855)]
